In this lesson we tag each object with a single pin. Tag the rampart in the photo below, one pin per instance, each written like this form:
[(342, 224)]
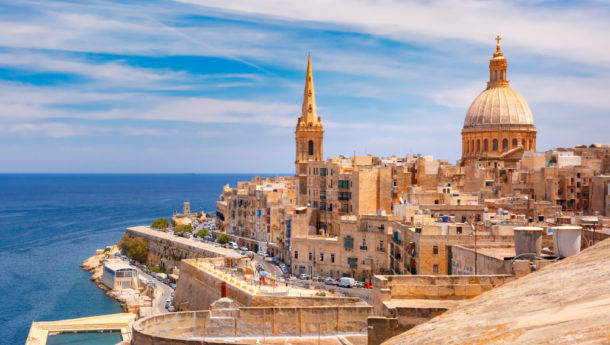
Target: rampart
[(168, 250), (227, 321), (404, 301), (199, 286)]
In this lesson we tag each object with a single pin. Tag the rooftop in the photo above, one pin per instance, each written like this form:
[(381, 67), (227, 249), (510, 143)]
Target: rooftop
[(563, 303)]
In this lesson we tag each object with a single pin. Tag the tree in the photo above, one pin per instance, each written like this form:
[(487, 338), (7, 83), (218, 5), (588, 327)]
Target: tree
[(183, 228), (160, 223), (203, 233), (208, 215), (223, 239), (135, 248)]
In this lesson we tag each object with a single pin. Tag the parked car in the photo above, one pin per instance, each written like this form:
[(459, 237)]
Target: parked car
[(173, 286), (171, 309), (347, 282), (245, 249), (330, 281), (368, 285), (303, 276), (261, 253)]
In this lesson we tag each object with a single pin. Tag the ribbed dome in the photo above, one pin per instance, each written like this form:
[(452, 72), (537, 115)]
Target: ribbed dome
[(499, 105)]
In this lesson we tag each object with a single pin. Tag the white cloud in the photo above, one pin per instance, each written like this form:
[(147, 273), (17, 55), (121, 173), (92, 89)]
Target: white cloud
[(575, 33)]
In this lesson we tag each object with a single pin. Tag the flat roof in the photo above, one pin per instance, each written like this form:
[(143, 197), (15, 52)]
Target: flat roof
[(116, 265)]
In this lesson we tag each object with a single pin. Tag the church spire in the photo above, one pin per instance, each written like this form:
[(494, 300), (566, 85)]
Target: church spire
[(497, 67), (309, 113)]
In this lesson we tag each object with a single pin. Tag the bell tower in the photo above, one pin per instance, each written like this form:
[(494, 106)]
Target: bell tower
[(309, 136)]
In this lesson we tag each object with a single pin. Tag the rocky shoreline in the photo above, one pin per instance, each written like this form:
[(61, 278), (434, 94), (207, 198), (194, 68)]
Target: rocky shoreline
[(138, 302)]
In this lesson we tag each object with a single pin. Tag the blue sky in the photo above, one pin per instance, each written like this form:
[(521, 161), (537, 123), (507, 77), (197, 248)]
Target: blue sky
[(216, 86)]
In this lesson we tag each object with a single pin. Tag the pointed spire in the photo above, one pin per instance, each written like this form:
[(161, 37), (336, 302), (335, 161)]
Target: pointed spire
[(309, 112)]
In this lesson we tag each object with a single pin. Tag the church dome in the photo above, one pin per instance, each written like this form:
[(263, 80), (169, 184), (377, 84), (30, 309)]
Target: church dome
[(498, 105)]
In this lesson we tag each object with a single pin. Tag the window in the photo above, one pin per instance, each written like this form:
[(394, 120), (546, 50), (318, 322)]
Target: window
[(495, 145), (332, 258), (343, 196), (296, 254), (315, 204), (321, 256), (322, 206), (322, 171), (310, 256), (504, 144), (514, 142), (323, 194), (459, 229), (435, 250), (343, 184), (348, 242), (479, 145), (485, 146), (311, 147), (435, 268)]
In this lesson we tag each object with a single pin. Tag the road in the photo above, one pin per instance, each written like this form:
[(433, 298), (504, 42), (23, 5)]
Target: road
[(268, 265), (161, 294)]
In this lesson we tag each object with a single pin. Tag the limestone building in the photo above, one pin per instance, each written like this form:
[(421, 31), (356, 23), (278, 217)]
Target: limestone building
[(309, 136), (499, 121)]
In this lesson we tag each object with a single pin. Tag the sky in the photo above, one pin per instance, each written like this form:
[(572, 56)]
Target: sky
[(216, 86)]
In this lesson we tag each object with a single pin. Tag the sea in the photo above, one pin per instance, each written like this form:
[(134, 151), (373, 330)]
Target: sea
[(50, 223)]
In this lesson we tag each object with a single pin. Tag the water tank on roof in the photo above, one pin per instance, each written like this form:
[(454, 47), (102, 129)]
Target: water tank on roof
[(566, 240), (528, 240)]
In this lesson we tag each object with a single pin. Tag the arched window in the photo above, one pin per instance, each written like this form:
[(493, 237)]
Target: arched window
[(479, 145), (472, 146), (514, 142), (311, 147), (496, 75), (523, 143), (485, 145), (504, 144), (495, 145)]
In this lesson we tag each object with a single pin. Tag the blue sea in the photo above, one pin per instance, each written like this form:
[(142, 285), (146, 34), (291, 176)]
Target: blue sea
[(50, 223)]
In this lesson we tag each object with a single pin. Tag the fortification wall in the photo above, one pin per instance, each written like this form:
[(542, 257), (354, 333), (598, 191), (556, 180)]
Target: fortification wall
[(198, 289), (202, 327), (386, 288), (167, 250)]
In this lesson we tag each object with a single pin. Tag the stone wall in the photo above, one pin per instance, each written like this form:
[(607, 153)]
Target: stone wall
[(462, 262), (198, 289), (167, 250), (386, 288), (202, 327)]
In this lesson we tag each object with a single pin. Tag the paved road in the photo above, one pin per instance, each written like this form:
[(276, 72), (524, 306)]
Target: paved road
[(268, 265), (161, 295)]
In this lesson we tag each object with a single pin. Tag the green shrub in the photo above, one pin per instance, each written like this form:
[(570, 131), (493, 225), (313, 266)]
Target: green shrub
[(135, 248), (160, 223), (223, 239), (183, 228), (203, 233)]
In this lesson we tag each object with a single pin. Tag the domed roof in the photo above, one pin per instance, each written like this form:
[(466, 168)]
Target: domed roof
[(500, 105)]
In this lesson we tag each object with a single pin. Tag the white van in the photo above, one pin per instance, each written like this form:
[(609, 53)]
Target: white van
[(347, 282)]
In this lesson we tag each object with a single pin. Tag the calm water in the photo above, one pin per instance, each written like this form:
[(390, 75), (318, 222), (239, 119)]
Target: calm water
[(51, 223)]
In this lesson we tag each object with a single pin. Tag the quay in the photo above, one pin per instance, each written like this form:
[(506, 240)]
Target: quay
[(39, 332)]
